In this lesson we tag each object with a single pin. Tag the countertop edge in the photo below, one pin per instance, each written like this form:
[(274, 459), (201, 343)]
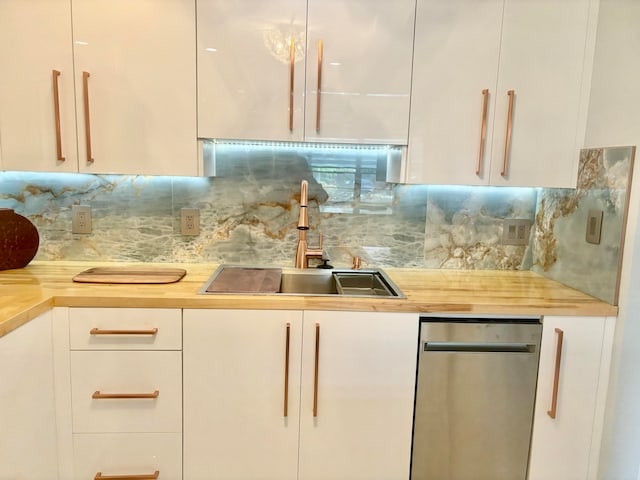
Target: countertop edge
[(38, 308), (37, 288)]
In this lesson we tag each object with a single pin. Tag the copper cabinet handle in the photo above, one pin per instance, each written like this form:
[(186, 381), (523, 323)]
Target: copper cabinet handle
[(556, 376), (292, 60), (507, 143), (286, 371), (152, 476), (98, 395), (87, 120), (315, 374), (56, 109), (98, 331), (483, 129), (319, 85)]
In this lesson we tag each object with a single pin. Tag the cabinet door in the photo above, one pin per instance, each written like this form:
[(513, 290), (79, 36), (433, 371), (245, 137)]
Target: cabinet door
[(28, 418), (544, 61), (35, 40), (561, 446), (140, 59), (455, 60), (364, 70), (235, 426), (249, 86), (362, 426)]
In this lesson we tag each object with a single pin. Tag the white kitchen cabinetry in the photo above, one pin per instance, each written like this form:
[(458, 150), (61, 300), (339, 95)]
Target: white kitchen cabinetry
[(129, 78), (123, 392), (28, 446), (361, 429), (251, 77), (235, 426), (568, 445), (136, 109), (35, 41), (245, 69), (234, 385), (468, 53), (363, 69)]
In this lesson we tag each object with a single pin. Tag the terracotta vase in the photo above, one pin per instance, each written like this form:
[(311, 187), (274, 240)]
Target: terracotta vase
[(19, 240)]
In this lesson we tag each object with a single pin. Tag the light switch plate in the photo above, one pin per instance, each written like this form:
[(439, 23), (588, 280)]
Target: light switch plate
[(80, 219), (594, 226), (515, 231)]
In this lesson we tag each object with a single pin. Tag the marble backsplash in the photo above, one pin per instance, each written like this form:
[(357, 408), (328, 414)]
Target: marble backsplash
[(559, 247), (248, 215)]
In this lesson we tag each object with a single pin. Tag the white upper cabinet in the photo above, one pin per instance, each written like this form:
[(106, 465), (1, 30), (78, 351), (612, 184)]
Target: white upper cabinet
[(35, 41), (530, 61), (133, 68), (135, 86), (253, 59), (544, 60), (457, 48), (359, 81)]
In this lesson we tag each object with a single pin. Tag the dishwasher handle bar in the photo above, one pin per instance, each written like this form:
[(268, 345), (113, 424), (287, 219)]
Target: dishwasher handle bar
[(479, 347)]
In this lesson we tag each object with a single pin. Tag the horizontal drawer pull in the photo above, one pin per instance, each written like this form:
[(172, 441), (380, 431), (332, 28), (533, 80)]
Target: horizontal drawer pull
[(152, 476), (98, 331), (97, 394)]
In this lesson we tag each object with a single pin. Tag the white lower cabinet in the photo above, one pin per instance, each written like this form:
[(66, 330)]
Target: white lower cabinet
[(575, 355), (125, 455), (298, 395), (119, 388), (28, 447), (124, 391)]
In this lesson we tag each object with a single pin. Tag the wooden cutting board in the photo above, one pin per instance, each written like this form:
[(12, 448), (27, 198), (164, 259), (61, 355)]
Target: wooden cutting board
[(130, 275)]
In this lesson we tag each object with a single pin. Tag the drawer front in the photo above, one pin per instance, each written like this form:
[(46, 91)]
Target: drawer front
[(127, 454), (125, 329), (154, 379)]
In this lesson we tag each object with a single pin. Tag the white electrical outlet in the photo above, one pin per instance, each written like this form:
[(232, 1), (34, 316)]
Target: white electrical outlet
[(190, 221), (80, 219)]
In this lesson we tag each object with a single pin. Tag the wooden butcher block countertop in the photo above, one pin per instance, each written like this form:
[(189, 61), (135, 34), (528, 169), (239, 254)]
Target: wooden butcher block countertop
[(27, 292)]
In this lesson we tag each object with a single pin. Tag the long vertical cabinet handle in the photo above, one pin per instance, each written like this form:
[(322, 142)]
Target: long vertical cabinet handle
[(87, 120), (315, 373), (56, 109), (286, 371), (507, 142), (292, 61), (151, 476), (483, 129), (556, 376), (319, 85)]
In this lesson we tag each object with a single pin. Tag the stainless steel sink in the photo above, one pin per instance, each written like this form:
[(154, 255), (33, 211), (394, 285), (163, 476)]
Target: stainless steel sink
[(236, 279)]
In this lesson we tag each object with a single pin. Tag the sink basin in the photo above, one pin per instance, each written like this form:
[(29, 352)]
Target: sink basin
[(235, 279)]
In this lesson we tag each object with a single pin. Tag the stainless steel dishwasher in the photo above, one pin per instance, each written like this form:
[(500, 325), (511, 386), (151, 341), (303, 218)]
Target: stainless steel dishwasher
[(474, 398)]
